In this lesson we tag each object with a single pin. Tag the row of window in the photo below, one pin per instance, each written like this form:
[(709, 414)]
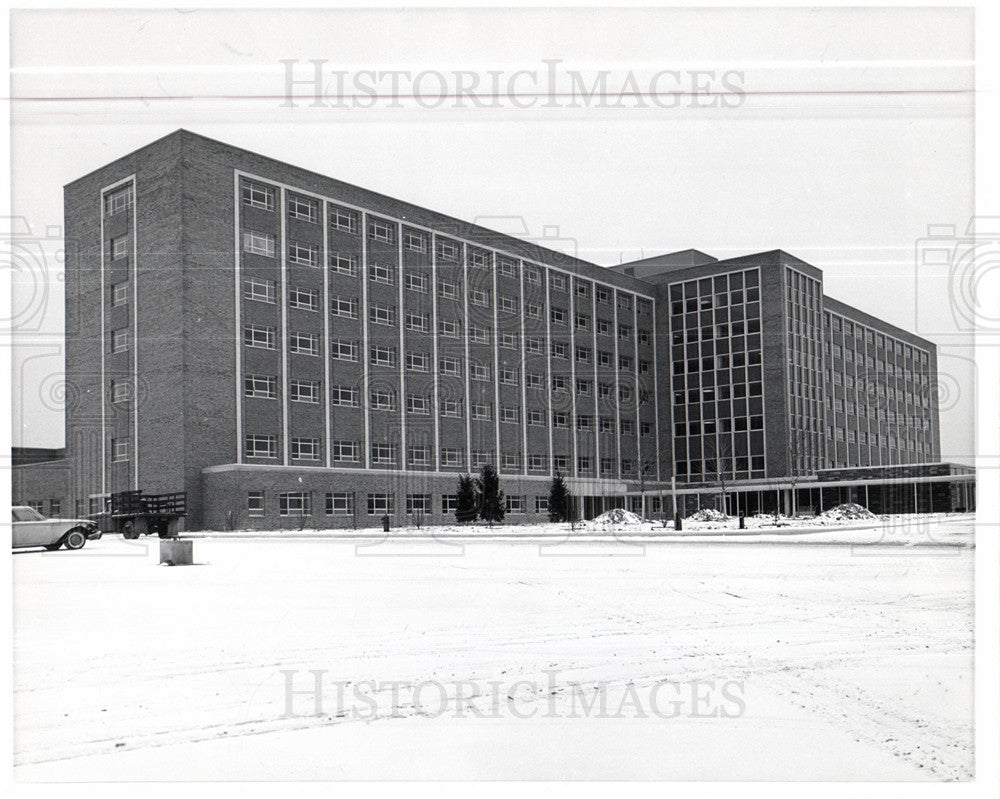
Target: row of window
[(341, 503)]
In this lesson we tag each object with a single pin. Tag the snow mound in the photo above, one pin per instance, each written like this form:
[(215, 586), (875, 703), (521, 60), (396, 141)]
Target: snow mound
[(848, 511), (707, 515), (617, 516)]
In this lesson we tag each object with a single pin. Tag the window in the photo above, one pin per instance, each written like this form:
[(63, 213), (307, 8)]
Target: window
[(258, 243), (295, 503), (560, 419), (603, 295), (418, 503), (418, 361), (344, 307), (303, 299), (303, 343), (624, 332), (582, 322), (118, 201), (582, 355), (451, 409), (559, 350), (383, 399), (582, 289), (541, 504), (559, 384), (479, 259), (447, 290), (305, 449), (414, 241), (558, 316), (508, 268), (451, 457), (304, 391), (508, 377), (418, 404), (558, 282), (447, 250), (259, 290), (345, 264), (382, 356), (534, 311), (419, 456), (584, 463), (259, 337), (584, 422), (624, 302), (510, 414), (260, 386), (449, 503), (533, 345), (345, 396), (119, 247), (627, 427), (382, 315), (479, 335), (303, 208), (119, 294), (480, 457), (380, 230), (603, 327), (482, 411), (416, 281), (343, 350), (535, 380), (479, 371), (417, 322), (538, 463), (257, 196), (515, 505), (560, 462), (479, 298), (339, 503), (384, 454), (255, 504), (382, 273), (258, 446), (449, 366), (536, 417), (119, 391), (533, 275), (603, 358), (508, 304), (345, 451), (343, 219), (448, 328)]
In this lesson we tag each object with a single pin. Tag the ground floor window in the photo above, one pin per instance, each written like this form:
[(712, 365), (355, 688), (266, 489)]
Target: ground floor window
[(295, 503), (418, 503), (541, 504), (515, 504), (255, 503), (449, 503), (381, 504), (339, 503)]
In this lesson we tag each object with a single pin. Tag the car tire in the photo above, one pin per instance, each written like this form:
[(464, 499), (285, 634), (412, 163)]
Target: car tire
[(75, 538)]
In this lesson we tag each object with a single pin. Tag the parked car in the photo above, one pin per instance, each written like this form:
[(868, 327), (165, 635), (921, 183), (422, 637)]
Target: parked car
[(31, 529)]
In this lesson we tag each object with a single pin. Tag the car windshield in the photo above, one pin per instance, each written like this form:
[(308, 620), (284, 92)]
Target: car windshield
[(27, 515)]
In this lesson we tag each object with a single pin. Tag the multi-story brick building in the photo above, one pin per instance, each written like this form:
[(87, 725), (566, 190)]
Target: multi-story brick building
[(282, 345)]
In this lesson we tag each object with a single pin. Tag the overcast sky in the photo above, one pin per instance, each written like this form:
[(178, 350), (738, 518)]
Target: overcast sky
[(850, 135)]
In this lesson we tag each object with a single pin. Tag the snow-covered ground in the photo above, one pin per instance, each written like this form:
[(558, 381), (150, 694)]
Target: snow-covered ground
[(703, 656)]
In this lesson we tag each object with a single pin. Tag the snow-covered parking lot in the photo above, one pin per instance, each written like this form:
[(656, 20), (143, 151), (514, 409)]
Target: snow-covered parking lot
[(697, 657)]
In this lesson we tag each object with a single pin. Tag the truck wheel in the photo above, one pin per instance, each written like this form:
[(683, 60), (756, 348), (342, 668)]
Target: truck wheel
[(129, 531), (75, 538)]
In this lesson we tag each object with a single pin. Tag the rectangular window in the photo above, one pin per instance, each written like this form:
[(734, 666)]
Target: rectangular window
[(118, 201), (305, 449), (382, 273), (479, 259), (584, 463), (259, 290), (345, 264), (381, 504), (382, 315), (257, 196), (418, 404), (509, 341), (418, 503), (416, 281), (255, 504), (515, 505), (538, 463), (536, 417), (343, 219), (451, 457), (560, 419), (303, 208), (449, 366), (447, 290), (447, 250), (480, 298), (418, 361), (344, 307), (533, 345), (559, 350), (384, 454), (533, 275), (479, 371), (480, 457), (482, 411), (479, 335), (508, 377), (345, 451), (510, 414), (533, 310), (448, 328), (535, 380), (343, 350), (119, 294), (508, 268), (119, 340), (260, 386), (259, 337), (303, 299), (417, 242), (582, 322), (304, 391), (260, 446), (380, 230), (303, 343), (418, 322), (558, 316), (119, 247), (558, 282), (541, 504), (582, 355), (258, 243), (419, 456), (382, 356), (345, 396), (295, 503), (602, 295), (339, 503), (119, 391), (382, 399)]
